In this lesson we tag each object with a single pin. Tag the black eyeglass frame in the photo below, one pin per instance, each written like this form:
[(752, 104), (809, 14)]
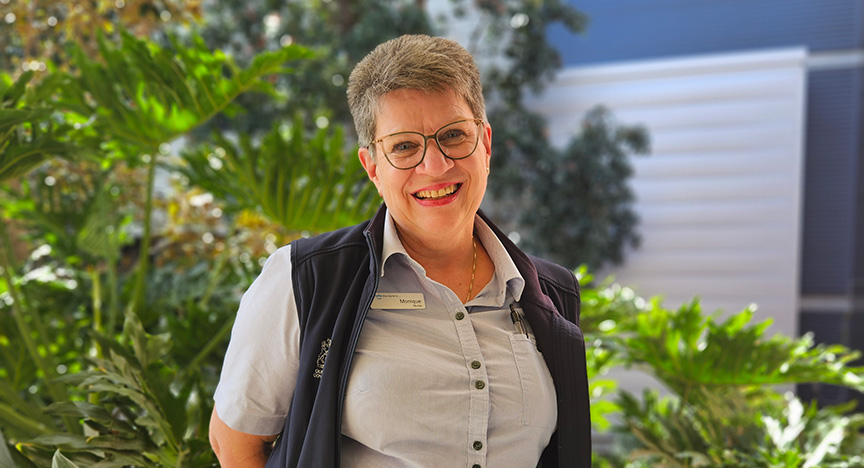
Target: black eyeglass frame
[(426, 138)]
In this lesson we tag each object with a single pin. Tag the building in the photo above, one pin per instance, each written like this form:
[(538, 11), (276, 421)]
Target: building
[(755, 188)]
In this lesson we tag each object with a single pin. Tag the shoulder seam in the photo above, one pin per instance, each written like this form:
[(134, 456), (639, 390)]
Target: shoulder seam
[(569, 290)]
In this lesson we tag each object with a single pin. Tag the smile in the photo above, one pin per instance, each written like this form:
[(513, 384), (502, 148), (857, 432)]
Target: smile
[(437, 194)]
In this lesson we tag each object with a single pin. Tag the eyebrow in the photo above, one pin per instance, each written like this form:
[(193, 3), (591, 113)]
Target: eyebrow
[(454, 120)]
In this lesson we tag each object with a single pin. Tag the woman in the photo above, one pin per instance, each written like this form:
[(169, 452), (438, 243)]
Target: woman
[(415, 338)]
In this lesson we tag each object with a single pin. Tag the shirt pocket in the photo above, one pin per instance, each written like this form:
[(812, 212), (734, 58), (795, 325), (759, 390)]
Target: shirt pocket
[(539, 404)]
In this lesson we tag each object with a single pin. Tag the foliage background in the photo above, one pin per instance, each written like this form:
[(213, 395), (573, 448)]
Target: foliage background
[(152, 154)]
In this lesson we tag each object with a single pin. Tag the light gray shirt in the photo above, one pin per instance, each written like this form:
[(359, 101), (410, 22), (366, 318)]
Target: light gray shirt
[(432, 384)]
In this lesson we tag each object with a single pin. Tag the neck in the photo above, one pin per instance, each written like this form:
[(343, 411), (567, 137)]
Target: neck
[(451, 252), (452, 262)]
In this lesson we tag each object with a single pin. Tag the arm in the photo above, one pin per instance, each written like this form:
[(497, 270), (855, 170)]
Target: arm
[(255, 389), (238, 449)]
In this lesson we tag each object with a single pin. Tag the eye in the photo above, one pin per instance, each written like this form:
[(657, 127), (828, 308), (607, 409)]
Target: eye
[(451, 134), (402, 147)]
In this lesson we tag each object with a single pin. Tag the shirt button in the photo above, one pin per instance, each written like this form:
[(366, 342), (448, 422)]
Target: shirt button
[(480, 384), (476, 466), (475, 364), (478, 445), (459, 315)]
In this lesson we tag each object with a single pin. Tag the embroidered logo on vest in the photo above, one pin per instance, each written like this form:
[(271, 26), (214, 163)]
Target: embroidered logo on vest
[(325, 348)]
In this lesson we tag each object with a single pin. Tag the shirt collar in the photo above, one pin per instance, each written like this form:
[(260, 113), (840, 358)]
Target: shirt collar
[(393, 246), (506, 272)]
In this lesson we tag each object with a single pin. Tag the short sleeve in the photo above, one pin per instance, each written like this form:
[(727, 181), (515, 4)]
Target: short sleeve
[(259, 373)]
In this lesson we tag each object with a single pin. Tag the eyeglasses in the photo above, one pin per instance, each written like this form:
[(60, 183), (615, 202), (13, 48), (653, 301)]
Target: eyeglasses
[(406, 150)]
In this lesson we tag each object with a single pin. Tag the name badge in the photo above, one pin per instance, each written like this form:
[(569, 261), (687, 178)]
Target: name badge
[(386, 301)]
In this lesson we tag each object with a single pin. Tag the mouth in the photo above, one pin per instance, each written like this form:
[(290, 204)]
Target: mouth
[(439, 194)]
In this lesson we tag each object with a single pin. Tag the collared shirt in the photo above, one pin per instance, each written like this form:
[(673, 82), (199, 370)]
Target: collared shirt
[(441, 385)]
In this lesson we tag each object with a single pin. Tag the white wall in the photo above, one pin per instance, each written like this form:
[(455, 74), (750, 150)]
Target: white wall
[(720, 195)]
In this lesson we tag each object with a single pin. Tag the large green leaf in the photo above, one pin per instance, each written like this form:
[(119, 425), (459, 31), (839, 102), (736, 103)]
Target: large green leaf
[(688, 350), (305, 183), (141, 419), (30, 129), (148, 95)]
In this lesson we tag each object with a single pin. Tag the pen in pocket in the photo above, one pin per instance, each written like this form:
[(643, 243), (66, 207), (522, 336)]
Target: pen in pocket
[(517, 321)]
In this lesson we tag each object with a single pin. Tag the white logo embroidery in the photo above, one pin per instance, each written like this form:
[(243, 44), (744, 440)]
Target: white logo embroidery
[(325, 348)]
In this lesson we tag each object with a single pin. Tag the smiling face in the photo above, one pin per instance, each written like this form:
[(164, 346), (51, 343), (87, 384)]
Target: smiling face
[(436, 200)]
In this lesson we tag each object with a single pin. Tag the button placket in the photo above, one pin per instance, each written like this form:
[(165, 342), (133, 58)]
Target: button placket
[(479, 402)]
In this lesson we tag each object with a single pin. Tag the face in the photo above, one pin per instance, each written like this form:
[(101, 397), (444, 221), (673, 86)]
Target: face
[(437, 199)]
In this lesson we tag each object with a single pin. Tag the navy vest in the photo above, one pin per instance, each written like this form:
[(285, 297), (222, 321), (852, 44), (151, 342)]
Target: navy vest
[(335, 276)]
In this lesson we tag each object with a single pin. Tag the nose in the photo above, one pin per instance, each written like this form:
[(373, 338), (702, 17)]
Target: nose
[(434, 162)]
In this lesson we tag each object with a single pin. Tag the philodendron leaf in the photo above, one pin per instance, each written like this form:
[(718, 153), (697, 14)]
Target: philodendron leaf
[(691, 351), (159, 93), (302, 180), (59, 461), (34, 129)]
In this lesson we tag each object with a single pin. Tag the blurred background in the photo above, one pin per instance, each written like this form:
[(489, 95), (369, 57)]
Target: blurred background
[(698, 165)]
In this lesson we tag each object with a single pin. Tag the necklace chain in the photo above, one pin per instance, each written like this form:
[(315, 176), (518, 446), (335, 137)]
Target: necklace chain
[(473, 269)]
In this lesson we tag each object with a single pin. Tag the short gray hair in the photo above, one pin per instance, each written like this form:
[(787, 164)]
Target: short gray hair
[(420, 62)]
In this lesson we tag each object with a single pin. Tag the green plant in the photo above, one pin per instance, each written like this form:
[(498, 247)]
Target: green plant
[(734, 432), (29, 135), (145, 414), (158, 94), (693, 353), (120, 109), (302, 182), (29, 130), (597, 222), (722, 409)]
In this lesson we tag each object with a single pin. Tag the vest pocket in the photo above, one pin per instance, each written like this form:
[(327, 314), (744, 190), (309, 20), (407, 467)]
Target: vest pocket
[(539, 406)]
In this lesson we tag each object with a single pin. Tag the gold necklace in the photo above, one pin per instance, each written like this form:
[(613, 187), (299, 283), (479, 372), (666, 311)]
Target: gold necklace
[(473, 269)]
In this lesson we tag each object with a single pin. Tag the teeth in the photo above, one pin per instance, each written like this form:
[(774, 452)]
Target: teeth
[(435, 194)]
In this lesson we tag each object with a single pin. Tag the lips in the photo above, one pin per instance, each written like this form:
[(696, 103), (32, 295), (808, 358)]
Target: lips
[(438, 194)]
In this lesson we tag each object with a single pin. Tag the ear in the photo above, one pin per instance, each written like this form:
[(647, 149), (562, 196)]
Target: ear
[(367, 159), (487, 141)]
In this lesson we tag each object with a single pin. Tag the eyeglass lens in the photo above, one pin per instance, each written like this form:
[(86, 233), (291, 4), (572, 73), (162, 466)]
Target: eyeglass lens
[(406, 149)]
